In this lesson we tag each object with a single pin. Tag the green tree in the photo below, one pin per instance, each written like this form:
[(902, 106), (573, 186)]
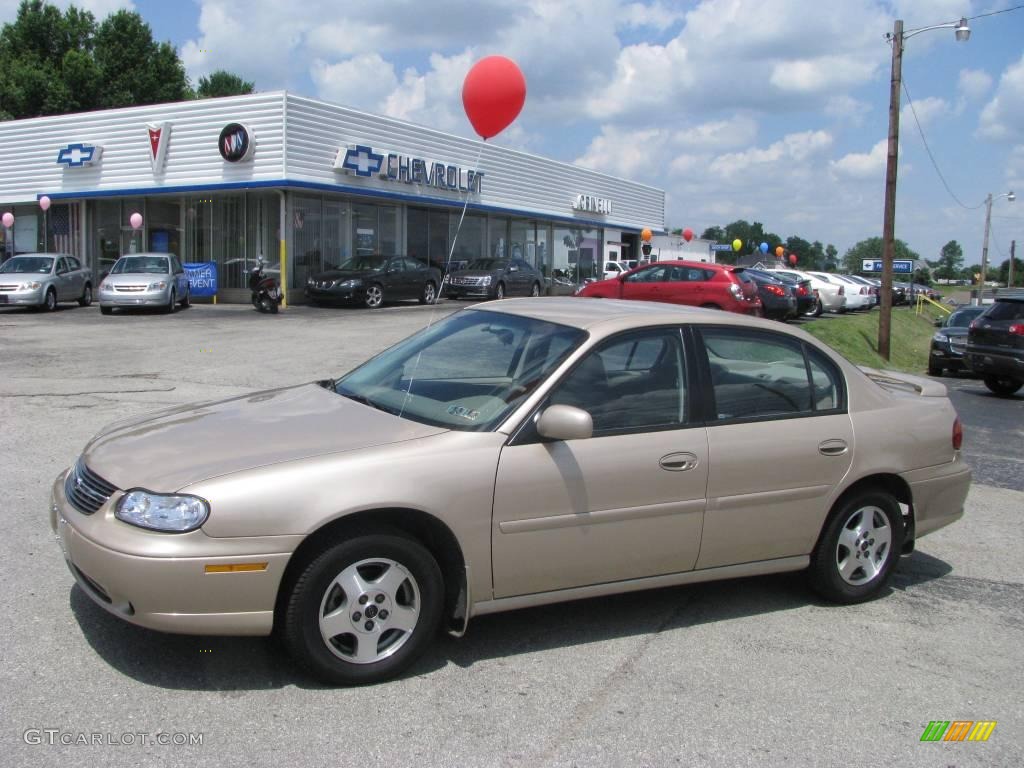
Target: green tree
[(950, 261), (831, 258), (872, 249), (1018, 272), (135, 68), (222, 83), (802, 249), (714, 234)]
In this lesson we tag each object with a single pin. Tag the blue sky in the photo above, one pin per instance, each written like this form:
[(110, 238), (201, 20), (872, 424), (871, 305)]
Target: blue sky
[(767, 110)]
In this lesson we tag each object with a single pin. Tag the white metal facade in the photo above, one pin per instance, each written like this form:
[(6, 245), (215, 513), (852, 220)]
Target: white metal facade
[(296, 143)]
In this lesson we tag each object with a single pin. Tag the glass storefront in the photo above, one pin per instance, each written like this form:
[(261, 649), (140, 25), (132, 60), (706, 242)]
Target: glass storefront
[(576, 253), (58, 230)]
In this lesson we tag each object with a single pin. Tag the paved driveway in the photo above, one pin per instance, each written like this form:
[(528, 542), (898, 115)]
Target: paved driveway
[(744, 673)]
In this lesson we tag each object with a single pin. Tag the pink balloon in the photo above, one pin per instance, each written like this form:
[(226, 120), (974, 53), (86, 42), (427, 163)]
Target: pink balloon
[(493, 94), (8, 219), (136, 220), (44, 203)]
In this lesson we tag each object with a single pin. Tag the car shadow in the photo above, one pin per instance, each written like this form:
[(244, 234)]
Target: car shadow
[(188, 662)]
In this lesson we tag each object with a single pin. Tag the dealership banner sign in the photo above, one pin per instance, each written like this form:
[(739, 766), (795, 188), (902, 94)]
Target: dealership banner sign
[(202, 278)]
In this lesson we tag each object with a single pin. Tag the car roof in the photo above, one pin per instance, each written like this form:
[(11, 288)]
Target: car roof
[(588, 313), (35, 254), (144, 253)]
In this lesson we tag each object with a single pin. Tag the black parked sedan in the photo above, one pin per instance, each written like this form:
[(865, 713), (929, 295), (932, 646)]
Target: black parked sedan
[(372, 280), (950, 341), (494, 279), (777, 297)]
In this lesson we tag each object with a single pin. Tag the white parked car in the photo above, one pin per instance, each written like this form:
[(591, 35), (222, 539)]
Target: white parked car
[(831, 295), (615, 268), (854, 298)]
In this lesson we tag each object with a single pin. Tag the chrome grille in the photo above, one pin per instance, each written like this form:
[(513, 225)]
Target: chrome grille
[(8, 287), (467, 281), (86, 490), (958, 343), (129, 288)]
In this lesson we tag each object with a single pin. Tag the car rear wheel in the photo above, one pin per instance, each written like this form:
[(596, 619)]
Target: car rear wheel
[(535, 291), (50, 301), (172, 303), (374, 296), (1003, 386), (429, 295), (858, 548), (499, 291), (86, 299), (106, 310), (187, 301), (364, 610)]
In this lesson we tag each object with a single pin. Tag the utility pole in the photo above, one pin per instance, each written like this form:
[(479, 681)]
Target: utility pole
[(889, 213), (984, 249), (1013, 248)]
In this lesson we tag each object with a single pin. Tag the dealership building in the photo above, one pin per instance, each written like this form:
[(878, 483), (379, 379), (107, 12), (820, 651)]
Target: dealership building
[(305, 185)]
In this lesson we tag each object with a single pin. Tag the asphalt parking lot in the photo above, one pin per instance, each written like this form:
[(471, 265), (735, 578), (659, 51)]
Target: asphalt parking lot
[(743, 673)]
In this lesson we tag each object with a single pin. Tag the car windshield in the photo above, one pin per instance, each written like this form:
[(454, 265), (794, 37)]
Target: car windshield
[(466, 372), (487, 264), (963, 317), (141, 265), (40, 265), (363, 263)]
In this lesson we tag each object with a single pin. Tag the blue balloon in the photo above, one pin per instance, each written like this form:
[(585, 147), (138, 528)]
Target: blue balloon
[(764, 247)]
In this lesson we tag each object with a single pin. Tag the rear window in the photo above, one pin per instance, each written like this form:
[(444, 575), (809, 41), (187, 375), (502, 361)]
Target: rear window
[(1006, 310)]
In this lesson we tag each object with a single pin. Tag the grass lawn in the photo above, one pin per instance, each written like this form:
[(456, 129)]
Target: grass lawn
[(855, 336)]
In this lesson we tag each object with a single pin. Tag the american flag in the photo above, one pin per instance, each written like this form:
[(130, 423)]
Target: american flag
[(64, 229)]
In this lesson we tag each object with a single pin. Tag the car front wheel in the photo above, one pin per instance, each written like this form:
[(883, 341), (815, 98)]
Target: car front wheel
[(1003, 385), (364, 610), (858, 548), (374, 296), (50, 300), (86, 299), (429, 295)]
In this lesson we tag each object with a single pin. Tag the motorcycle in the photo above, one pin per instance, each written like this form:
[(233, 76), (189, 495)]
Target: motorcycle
[(266, 293)]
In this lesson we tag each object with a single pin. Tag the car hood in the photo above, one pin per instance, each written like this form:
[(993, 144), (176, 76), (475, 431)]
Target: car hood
[(954, 330), (172, 449), (476, 272), (135, 278), (346, 274)]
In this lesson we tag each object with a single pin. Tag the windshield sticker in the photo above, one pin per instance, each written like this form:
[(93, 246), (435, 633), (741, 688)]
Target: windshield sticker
[(463, 412)]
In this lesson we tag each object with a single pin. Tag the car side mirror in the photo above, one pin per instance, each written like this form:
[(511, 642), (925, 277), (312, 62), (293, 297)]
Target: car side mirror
[(565, 422)]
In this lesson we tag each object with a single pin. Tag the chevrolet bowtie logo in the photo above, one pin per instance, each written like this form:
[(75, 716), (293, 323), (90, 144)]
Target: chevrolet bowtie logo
[(77, 155), (361, 161)]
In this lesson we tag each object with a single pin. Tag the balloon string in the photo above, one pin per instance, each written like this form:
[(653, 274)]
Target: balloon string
[(444, 278)]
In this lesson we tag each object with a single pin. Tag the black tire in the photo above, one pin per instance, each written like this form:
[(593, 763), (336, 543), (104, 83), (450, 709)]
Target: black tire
[(934, 370), (317, 593), (187, 301), (106, 310), (1003, 386), (535, 290), (851, 544), (172, 304), (86, 299), (374, 298), (266, 304), (499, 291), (429, 294), (50, 301)]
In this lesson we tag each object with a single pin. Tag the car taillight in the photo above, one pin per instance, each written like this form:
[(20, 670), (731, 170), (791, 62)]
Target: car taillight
[(842, 291), (958, 434), (1017, 329), (775, 289), (801, 291), (736, 291)]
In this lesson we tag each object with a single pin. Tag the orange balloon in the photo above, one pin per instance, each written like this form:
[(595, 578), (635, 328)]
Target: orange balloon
[(646, 235), (779, 251)]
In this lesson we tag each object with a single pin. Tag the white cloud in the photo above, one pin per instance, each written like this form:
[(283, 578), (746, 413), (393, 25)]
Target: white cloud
[(718, 134), (822, 74), (1002, 119), (974, 84), (363, 82), (847, 109), (794, 148), (631, 153), (869, 165), (654, 15), (99, 8), (927, 110)]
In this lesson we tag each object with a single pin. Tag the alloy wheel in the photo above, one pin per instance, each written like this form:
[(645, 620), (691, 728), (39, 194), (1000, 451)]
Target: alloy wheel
[(374, 296), (864, 546)]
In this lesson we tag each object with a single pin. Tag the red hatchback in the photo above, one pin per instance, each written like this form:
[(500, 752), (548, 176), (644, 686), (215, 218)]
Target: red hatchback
[(718, 286)]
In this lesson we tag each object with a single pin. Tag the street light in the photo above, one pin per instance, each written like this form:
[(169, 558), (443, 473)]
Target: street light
[(962, 33), (984, 245)]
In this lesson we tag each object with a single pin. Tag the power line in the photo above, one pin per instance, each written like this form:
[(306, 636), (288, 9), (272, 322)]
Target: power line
[(935, 165)]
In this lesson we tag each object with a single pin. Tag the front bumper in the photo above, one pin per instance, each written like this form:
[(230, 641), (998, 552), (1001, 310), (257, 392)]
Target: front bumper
[(991, 362), (111, 298), (26, 298), (159, 580), (467, 291), (946, 355), (336, 295)]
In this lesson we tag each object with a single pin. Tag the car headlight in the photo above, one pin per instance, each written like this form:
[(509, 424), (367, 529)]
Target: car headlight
[(940, 337), (349, 283), (30, 286), (157, 286), (486, 280), (160, 512)]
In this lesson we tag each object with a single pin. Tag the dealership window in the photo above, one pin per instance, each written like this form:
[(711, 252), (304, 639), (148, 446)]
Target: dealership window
[(497, 243), (106, 216), (520, 234), (262, 234), (438, 253), (337, 248), (575, 253), (469, 239), (163, 226), (417, 233)]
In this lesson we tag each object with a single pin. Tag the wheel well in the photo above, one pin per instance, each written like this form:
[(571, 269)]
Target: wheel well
[(412, 523), (896, 487)]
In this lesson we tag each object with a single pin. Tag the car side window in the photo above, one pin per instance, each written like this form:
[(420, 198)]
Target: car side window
[(756, 374), (395, 265), (412, 265), (652, 275), (73, 263), (634, 382)]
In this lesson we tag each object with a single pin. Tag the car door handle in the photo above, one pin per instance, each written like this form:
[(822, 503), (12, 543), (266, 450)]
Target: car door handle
[(834, 447), (678, 462)]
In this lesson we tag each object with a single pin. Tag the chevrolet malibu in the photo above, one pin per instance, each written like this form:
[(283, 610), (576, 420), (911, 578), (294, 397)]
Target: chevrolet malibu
[(517, 453)]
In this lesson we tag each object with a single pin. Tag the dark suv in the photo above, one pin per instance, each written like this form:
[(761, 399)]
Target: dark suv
[(995, 344)]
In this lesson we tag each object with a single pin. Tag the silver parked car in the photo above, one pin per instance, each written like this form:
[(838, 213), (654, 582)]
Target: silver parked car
[(43, 279), (145, 280), (514, 454)]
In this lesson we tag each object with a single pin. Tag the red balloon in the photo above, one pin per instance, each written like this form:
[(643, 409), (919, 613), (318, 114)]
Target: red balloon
[(687, 234), (792, 258), (493, 94)]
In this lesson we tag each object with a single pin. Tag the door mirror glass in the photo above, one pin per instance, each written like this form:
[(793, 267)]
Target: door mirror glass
[(565, 422)]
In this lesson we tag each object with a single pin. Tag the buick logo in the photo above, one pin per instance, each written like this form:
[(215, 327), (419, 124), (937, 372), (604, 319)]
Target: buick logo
[(235, 143)]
